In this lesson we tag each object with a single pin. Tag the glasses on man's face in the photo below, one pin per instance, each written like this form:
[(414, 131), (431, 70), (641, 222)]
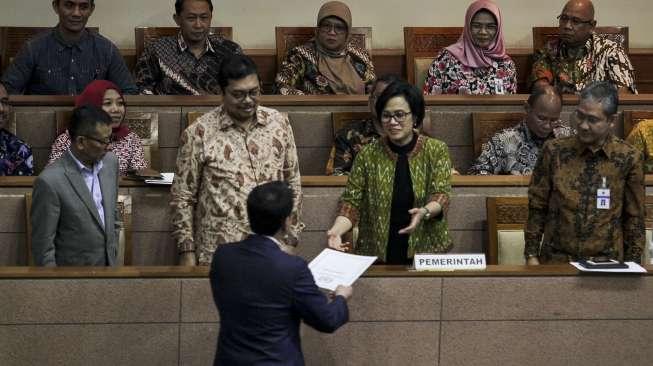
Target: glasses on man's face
[(241, 95), (337, 28), (101, 142), (563, 19), (399, 116)]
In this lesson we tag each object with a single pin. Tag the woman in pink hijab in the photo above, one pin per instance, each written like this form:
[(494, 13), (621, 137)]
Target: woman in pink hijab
[(477, 64)]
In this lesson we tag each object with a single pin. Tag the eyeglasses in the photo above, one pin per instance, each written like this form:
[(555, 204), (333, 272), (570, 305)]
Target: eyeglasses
[(563, 18), (399, 116), (242, 94), (103, 142), (337, 28), (478, 27)]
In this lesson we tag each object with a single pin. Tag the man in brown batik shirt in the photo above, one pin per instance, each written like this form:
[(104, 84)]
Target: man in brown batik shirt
[(587, 191)]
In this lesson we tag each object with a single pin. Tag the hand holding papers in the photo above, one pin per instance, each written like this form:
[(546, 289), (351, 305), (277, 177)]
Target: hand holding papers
[(332, 268)]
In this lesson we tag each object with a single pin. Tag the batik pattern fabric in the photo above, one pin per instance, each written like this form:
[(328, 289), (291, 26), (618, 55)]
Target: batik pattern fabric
[(349, 141), (129, 150), (15, 155), (299, 73), (367, 198), (447, 75), (168, 67), (602, 60), (641, 137), (563, 213), (218, 164), (513, 151)]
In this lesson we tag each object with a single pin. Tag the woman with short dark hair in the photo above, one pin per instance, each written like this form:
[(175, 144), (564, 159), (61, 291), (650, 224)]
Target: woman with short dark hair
[(398, 190), (477, 64)]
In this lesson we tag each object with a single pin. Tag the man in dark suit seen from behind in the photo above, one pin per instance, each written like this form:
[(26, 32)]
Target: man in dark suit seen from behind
[(74, 213), (262, 293)]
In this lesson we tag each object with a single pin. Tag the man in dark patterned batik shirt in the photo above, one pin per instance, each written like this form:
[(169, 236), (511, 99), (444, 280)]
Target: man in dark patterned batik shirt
[(188, 63), (351, 138), (515, 150), (579, 56), (587, 191)]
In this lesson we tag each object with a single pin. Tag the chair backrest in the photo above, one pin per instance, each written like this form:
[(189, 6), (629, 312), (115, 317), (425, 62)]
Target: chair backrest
[(29, 260), (144, 124), (289, 37), (144, 35), (13, 38), (632, 118), (506, 217), (619, 34), (422, 44), (486, 124), (191, 117)]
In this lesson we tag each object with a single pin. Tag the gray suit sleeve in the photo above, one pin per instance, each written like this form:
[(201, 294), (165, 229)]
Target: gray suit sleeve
[(45, 212)]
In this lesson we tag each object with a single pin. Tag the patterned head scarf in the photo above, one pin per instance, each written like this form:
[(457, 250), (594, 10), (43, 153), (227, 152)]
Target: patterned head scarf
[(93, 94), (469, 54)]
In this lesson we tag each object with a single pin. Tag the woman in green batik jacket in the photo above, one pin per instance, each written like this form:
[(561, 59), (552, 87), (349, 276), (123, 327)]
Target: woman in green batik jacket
[(398, 190)]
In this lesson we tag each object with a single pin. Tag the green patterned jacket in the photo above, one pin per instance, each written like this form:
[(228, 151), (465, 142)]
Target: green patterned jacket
[(367, 199)]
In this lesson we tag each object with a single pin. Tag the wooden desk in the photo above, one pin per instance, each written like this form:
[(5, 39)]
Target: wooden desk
[(166, 316)]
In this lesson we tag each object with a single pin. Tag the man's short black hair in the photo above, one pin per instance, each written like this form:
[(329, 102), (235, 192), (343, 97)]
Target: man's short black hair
[(605, 93), (268, 207), (85, 120), (235, 67), (179, 6), (413, 97)]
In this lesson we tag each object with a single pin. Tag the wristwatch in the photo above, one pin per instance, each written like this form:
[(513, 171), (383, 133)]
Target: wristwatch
[(427, 213)]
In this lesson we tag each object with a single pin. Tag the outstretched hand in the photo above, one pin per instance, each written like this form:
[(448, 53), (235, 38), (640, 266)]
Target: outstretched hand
[(417, 216)]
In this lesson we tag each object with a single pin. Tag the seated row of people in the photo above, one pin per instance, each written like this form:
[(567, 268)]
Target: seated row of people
[(397, 194), (67, 58)]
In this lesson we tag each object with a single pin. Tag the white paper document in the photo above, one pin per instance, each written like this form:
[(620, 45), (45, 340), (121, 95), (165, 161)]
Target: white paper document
[(632, 268), (332, 268), (167, 179)]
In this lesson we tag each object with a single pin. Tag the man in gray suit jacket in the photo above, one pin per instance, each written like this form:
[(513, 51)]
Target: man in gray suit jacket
[(74, 215)]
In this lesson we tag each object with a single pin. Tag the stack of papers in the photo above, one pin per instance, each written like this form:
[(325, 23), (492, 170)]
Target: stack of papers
[(167, 179), (332, 268), (632, 268)]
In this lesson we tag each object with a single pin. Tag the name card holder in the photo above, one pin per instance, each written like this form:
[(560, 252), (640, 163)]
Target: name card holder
[(449, 262)]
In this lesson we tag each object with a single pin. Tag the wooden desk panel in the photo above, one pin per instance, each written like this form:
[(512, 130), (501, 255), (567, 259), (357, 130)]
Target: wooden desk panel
[(163, 315)]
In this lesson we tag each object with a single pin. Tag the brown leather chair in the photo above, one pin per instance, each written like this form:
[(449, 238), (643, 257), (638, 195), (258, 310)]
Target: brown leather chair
[(486, 124), (422, 44), (13, 38), (289, 37), (507, 217), (145, 35), (541, 35)]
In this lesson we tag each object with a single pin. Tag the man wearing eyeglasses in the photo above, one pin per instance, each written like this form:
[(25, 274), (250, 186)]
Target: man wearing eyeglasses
[(74, 213), (515, 150), (329, 63), (586, 197), (580, 56), (222, 157)]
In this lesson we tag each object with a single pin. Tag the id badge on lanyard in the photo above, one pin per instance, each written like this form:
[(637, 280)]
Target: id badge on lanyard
[(498, 86), (603, 196)]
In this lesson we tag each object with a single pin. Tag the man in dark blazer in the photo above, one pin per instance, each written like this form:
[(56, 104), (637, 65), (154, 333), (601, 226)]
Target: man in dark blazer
[(262, 293), (74, 215)]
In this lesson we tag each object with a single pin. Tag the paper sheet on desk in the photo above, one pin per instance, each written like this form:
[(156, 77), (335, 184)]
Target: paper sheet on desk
[(332, 268), (167, 179), (632, 268)]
